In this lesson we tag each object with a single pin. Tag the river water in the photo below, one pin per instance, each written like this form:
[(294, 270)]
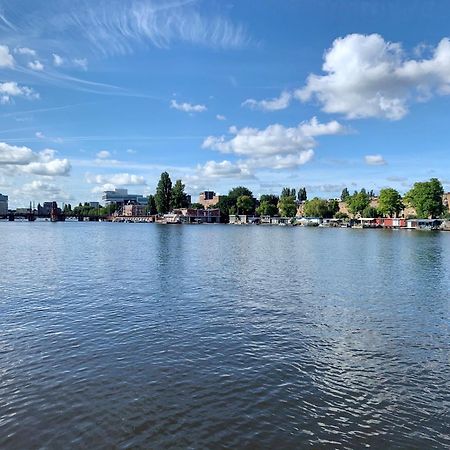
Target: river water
[(216, 336)]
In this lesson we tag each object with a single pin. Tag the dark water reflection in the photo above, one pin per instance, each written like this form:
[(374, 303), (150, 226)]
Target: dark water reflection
[(146, 336)]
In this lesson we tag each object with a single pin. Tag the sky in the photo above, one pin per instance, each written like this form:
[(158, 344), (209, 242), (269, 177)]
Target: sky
[(324, 94)]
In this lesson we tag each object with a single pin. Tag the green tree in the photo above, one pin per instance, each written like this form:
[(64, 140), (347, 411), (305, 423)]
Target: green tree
[(318, 207), (269, 198), (345, 195), (287, 206), (390, 202), (358, 202), (237, 192), (266, 208), (197, 206), (179, 198), (426, 198), (163, 194), (302, 195), (370, 212), (151, 205), (244, 204), (288, 192)]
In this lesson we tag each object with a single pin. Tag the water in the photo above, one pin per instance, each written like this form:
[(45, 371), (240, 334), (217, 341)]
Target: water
[(150, 336)]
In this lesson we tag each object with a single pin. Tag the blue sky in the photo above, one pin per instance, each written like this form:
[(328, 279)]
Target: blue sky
[(322, 94)]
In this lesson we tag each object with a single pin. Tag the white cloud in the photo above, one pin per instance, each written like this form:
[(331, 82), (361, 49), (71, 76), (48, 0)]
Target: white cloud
[(282, 161), (11, 89), (220, 117), (276, 146), (116, 179), (131, 151), (187, 107), (25, 51), (274, 104), (375, 160), (223, 169), (41, 190), (11, 154), (273, 140), (118, 27), (26, 161), (80, 62), (366, 76), (36, 65), (103, 154), (57, 60), (39, 135), (6, 59), (54, 167)]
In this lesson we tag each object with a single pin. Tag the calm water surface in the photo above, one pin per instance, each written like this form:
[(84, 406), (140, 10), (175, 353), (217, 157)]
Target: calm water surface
[(149, 336)]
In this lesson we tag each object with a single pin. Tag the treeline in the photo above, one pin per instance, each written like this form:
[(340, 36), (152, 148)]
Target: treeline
[(425, 197)]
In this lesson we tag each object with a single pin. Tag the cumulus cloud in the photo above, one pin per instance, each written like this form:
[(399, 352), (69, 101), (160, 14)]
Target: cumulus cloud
[(116, 179), (38, 189), (274, 104), (25, 51), (374, 160), (103, 154), (366, 76), (275, 146), (39, 135), (57, 60), (36, 65), (187, 107), (6, 59), (223, 169), (11, 89), (14, 155), (29, 162), (220, 117)]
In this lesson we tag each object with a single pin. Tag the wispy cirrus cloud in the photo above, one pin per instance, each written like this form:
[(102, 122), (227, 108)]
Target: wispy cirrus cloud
[(118, 27)]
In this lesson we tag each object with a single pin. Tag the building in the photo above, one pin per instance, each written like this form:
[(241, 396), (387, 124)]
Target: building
[(208, 198), (45, 209), (192, 215), (122, 197), (3, 205), (133, 210), (446, 201)]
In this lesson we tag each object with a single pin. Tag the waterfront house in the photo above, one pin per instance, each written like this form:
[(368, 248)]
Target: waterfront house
[(423, 224), (391, 222), (193, 215)]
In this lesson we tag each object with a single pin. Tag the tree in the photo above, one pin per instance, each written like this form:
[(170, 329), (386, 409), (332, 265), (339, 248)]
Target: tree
[(266, 208), (163, 194), (198, 206), (390, 202), (302, 196), (151, 205), (236, 192), (179, 198), (288, 192), (244, 204), (358, 202), (233, 196), (287, 206), (270, 198), (345, 195), (426, 198), (318, 207), (370, 211)]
